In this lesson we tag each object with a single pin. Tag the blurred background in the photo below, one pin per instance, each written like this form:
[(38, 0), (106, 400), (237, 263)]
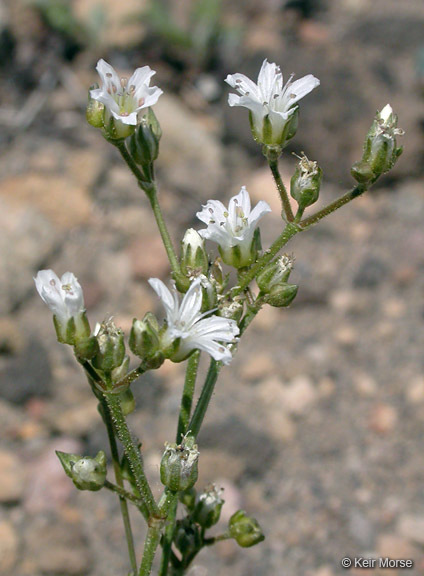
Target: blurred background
[(316, 427)]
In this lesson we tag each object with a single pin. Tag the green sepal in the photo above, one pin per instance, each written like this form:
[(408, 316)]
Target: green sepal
[(179, 465), (86, 473), (245, 530), (282, 295)]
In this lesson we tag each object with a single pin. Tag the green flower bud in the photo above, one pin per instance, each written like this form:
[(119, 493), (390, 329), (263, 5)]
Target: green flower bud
[(85, 472), (144, 143), (144, 339), (380, 149), (178, 467), (281, 295), (111, 346), (245, 530), (208, 507), (121, 371), (127, 402), (95, 111), (209, 295), (86, 348), (194, 260), (187, 538), (188, 498), (275, 273), (306, 182), (362, 172)]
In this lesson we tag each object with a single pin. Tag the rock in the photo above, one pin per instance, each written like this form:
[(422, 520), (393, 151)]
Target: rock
[(27, 240), (190, 159), (361, 529), (9, 543), (395, 546), (12, 477), (383, 418), (216, 464), (299, 396), (415, 390), (372, 271), (258, 367), (11, 338), (57, 547), (27, 375), (56, 197), (148, 258), (365, 384), (78, 420), (411, 527), (49, 487)]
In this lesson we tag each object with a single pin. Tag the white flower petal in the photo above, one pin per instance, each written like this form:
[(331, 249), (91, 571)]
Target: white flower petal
[(300, 88), (191, 305), (167, 298)]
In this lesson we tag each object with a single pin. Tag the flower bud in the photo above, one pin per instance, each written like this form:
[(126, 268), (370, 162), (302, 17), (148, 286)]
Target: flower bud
[(188, 498), (194, 260), (281, 295), (144, 143), (208, 507), (95, 111), (178, 467), (306, 182), (380, 148), (275, 273), (85, 472), (127, 402), (144, 339), (209, 295), (187, 538), (245, 530), (111, 353)]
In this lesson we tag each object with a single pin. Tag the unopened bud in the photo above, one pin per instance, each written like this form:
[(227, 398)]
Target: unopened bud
[(95, 111), (127, 402), (144, 143), (86, 348), (281, 295), (306, 182), (179, 465), (194, 260), (111, 353), (144, 339), (275, 273), (187, 537), (380, 148), (188, 498), (245, 530), (85, 472), (208, 508)]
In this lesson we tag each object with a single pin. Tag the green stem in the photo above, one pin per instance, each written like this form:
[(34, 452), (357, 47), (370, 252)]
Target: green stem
[(128, 496), (187, 397), (204, 399), (168, 536), (150, 545), (120, 485), (273, 164), (166, 504), (133, 454), (351, 195), (151, 192), (93, 377)]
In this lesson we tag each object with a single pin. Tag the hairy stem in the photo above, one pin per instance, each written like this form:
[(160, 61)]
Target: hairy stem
[(351, 195), (205, 397), (168, 536), (187, 397), (273, 164), (132, 452)]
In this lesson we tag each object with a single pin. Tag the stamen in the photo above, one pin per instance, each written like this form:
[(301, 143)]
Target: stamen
[(109, 74), (52, 282), (210, 210), (141, 101), (124, 82)]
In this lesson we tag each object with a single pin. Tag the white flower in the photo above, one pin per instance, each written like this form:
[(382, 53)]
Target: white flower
[(125, 98), (194, 329), (233, 228), (387, 123), (65, 299), (270, 101)]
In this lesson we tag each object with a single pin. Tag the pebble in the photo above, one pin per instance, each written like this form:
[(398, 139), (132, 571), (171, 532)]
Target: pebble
[(415, 390), (299, 396), (383, 419), (57, 547), (12, 477), (411, 527), (9, 543), (148, 258), (257, 367)]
